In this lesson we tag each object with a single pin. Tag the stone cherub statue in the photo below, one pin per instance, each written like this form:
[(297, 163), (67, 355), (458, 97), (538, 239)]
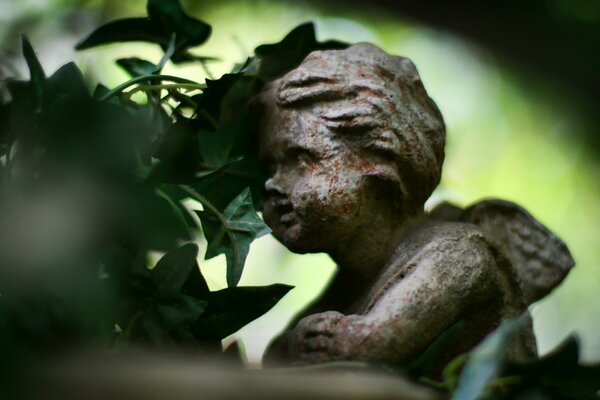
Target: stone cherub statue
[(355, 147)]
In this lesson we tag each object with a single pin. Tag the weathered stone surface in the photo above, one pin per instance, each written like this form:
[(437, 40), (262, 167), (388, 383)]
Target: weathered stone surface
[(355, 147)]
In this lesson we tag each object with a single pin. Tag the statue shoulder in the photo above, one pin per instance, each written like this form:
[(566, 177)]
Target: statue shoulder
[(437, 251), (443, 239)]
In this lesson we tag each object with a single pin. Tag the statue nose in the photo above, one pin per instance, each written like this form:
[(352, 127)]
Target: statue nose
[(273, 186)]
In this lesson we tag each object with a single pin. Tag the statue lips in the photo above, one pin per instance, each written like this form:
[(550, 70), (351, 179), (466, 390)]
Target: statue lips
[(285, 210)]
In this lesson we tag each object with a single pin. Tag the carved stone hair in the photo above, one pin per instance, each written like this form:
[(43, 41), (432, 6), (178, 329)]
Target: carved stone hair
[(375, 101)]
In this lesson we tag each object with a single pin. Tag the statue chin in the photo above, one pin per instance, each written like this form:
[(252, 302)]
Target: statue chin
[(298, 242)]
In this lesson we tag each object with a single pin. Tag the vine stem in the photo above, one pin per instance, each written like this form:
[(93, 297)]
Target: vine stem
[(215, 211), (186, 86), (146, 78)]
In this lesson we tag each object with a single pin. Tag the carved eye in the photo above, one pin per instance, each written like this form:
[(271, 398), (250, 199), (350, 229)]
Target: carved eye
[(304, 159), (354, 126), (300, 157)]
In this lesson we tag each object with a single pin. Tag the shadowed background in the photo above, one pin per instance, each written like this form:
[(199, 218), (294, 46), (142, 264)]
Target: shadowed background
[(517, 84)]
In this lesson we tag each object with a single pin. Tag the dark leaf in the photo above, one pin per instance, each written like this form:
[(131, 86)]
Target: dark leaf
[(161, 319), (136, 66), (5, 116), (234, 141), (216, 148), (173, 269), (422, 365), (101, 91), (177, 196), (279, 58), (557, 375), (125, 30), (233, 234), (205, 173), (170, 18), (181, 57), (21, 109), (234, 106), (230, 309), (196, 286), (66, 81), (156, 221), (178, 153), (35, 71), (185, 310), (486, 361), (226, 183), (211, 98)]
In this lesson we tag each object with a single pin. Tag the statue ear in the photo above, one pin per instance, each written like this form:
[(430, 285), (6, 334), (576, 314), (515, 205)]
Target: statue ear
[(541, 259)]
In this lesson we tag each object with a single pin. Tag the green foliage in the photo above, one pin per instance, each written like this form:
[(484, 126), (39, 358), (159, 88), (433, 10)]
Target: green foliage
[(166, 20), (485, 362), (121, 172), (289, 53), (487, 372), (232, 232)]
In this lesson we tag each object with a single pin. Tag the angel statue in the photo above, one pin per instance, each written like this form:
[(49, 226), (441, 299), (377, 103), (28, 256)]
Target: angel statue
[(355, 146)]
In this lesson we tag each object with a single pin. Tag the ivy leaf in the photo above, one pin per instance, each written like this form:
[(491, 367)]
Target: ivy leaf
[(101, 91), (231, 308), (156, 221), (124, 30), (279, 58), (173, 269), (219, 188), (231, 233), (235, 105), (422, 365), (166, 20), (161, 320), (235, 141), (136, 66), (158, 304), (170, 308), (181, 57), (486, 361), (168, 16), (66, 81), (558, 374), (35, 70), (217, 148), (211, 98)]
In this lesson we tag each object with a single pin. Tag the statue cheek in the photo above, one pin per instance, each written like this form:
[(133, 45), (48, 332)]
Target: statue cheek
[(327, 199), (309, 199)]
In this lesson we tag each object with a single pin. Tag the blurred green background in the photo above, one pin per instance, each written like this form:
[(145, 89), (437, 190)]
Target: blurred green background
[(512, 133)]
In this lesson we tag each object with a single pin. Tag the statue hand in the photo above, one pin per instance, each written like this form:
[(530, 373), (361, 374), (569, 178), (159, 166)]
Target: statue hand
[(327, 336)]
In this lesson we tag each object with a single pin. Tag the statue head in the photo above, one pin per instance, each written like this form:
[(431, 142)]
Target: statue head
[(347, 135)]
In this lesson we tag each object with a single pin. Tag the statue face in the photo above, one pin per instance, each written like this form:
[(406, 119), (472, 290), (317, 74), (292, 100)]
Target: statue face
[(316, 196)]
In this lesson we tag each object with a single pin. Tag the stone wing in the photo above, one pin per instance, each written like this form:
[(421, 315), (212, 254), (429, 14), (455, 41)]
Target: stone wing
[(541, 259)]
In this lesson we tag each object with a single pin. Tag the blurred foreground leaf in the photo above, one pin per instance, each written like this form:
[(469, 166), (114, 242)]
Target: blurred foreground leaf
[(485, 362)]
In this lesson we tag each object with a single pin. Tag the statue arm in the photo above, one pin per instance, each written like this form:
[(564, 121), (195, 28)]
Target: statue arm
[(447, 278)]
